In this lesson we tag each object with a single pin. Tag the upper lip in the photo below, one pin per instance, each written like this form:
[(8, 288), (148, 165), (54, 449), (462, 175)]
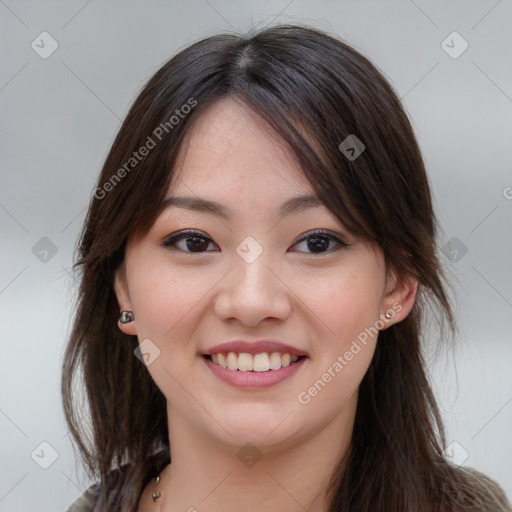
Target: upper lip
[(255, 347)]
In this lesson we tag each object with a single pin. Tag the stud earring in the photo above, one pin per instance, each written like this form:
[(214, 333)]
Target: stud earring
[(126, 317), (388, 315)]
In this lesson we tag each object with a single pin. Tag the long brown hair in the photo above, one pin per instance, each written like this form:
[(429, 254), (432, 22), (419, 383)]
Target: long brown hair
[(314, 90)]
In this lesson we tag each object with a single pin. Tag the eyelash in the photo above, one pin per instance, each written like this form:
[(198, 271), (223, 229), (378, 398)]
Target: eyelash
[(170, 242)]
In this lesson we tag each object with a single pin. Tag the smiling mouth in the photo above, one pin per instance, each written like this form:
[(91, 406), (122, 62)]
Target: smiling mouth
[(245, 362)]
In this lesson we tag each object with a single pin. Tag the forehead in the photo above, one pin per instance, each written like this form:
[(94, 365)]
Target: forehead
[(230, 146)]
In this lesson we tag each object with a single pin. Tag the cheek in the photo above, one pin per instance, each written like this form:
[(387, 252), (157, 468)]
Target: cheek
[(167, 302), (163, 297), (346, 307), (345, 302)]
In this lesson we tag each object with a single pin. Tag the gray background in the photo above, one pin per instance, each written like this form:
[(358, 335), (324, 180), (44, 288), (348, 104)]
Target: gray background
[(60, 115)]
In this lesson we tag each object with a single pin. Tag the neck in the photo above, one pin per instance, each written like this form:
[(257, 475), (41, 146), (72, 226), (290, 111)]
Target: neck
[(286, 475)]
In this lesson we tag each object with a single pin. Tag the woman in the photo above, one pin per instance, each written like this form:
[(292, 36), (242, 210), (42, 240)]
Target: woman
[(256, 262)]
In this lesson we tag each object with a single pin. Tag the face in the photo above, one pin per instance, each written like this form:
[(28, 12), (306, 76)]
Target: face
[(254, 274)]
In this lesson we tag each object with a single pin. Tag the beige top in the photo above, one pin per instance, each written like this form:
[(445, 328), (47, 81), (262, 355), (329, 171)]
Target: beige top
[(88, 502), (92, 501)]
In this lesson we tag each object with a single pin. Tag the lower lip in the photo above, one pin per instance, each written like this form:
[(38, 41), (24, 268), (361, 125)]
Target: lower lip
[(251, 379)]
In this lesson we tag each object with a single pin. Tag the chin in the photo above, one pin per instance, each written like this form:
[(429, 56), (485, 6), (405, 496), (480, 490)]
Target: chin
[(264, 430)]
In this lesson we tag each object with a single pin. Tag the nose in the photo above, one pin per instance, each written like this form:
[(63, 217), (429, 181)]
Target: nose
[(253, 291)]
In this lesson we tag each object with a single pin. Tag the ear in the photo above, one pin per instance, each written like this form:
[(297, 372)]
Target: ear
[(398, 298), (123, 299)]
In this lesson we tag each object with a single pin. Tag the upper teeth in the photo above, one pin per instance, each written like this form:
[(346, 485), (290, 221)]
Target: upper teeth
[(258, 363)]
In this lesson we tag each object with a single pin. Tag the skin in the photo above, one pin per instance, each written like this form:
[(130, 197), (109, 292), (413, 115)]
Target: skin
[(186, 302)]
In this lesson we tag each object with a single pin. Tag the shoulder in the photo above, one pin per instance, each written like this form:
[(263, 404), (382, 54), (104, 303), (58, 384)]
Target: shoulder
[(95, 498), (481, 493), (87, 501), (92, 500)]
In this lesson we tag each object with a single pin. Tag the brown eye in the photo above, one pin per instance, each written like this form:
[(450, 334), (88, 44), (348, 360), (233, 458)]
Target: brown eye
[(320, 242), (188, 241)]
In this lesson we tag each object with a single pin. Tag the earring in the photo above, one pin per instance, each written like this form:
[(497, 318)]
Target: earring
[(388, 315), (126, 317)]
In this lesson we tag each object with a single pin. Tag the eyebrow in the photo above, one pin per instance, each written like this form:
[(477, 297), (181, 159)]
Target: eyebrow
[(293, 205)]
